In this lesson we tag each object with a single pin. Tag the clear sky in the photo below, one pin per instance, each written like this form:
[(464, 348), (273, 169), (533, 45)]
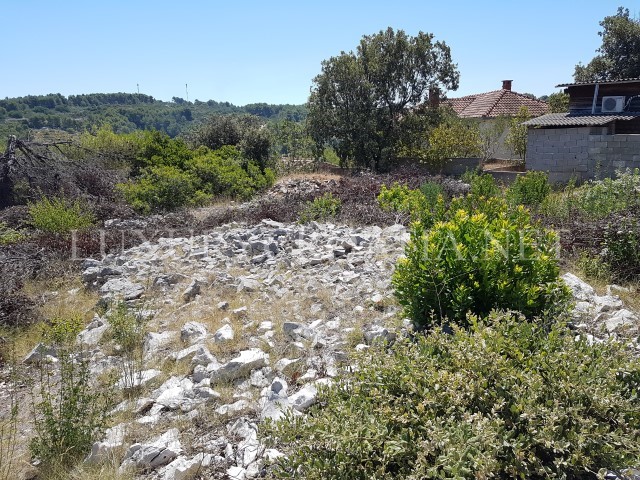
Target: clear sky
[(246, 51)]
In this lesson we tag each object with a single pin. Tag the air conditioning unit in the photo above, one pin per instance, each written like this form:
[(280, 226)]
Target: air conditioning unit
[(612, 104)]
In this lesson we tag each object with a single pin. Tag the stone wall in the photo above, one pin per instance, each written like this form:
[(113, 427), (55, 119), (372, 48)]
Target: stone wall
[(583, 152)]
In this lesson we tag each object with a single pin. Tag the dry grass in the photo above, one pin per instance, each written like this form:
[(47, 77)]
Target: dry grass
[(63, 298), (320, 176)]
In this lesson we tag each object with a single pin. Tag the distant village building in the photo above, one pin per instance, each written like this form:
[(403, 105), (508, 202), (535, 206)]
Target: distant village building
[(492, 107), (597, 136)]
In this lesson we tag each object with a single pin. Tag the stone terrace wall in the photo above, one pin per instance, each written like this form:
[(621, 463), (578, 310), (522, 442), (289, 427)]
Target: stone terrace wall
[(584, 152)]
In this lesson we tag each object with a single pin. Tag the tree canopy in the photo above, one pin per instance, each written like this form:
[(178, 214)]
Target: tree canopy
[(619, 54), (360, 101)]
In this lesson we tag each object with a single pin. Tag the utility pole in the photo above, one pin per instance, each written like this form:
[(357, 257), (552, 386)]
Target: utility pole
[(186, 89), (138, 85)]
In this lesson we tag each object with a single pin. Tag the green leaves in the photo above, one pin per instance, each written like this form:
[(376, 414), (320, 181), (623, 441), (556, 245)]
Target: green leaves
[(504, 399), (320, 209), (481, 256), (223, 172), (57, 215), (619, 54), (360, 100)]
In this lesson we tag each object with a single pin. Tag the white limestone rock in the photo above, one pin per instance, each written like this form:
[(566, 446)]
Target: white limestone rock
[(240, 366), (106, 449), (159, 452), (193, 332), (581, 290), (223, 334)]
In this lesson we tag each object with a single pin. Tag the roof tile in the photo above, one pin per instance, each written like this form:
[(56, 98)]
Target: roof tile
[(495, 104)]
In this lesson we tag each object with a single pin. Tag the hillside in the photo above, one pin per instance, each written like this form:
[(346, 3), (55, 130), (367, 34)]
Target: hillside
[(125, 112)]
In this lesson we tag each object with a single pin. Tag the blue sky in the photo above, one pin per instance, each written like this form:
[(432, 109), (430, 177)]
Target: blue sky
[(245, 51)]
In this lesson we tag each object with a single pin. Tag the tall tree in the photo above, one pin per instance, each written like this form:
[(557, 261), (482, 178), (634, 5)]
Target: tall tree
[(619, 54), (360, 100)]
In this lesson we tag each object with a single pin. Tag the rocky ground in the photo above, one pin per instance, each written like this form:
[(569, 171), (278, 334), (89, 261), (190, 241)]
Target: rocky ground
[(244, 323)]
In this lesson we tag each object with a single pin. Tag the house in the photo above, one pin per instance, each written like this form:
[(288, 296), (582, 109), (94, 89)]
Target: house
[(491, 108), (597, 136)]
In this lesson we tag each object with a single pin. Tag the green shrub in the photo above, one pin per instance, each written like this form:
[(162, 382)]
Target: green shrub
[(320, 209), (57, 215), (595, 199), (482, 184), (476, 262), (117, 148), (69, 412), (621, 250), (163, 188), (593, 267), (417, 205), (158, 149), (516, 139), (10, 235), (226, 172), (453, 139), (329, 155), (530, 189), (506, 399), (431, 191)]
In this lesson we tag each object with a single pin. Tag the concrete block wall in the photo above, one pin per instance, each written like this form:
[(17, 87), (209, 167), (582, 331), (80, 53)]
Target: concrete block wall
[(583, 152)]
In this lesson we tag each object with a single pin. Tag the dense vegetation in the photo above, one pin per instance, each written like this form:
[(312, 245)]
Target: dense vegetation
[(503, 399), (125, 112)]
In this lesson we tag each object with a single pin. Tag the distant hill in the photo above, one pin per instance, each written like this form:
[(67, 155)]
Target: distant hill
[(125, 112)]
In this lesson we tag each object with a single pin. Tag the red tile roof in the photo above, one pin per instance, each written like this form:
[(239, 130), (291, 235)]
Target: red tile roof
[(495, 104)]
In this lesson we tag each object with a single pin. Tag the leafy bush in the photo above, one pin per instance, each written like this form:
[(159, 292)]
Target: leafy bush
[(57, 215), (621, 250), (158, 149), (431, 191), (593, 267), (320, 209), (246, 132), (517, 136), (453, 139), (69, 412), (163, 188), (10, 235), (595, 199), (117, 148), (482, 184), (226, 172), (529, 189), (415, 204), (476, 262), (506, 399)]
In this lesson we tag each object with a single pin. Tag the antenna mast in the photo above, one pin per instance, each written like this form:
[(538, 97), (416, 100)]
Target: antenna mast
[(186, 89)]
